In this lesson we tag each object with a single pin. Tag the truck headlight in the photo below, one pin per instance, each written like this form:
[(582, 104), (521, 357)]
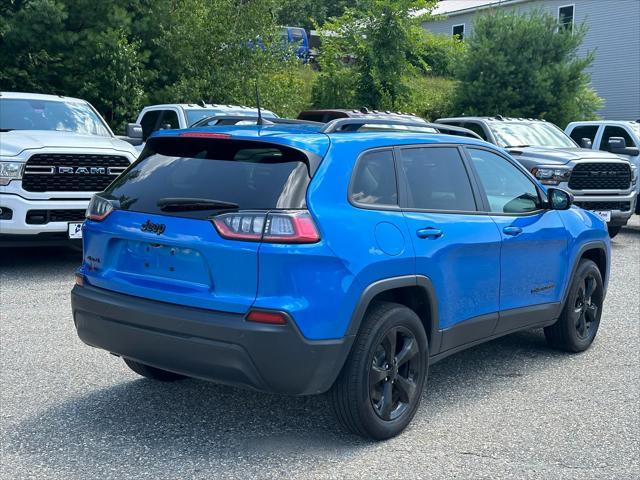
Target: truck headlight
[(634, 174), (551, 175), (10, 171)]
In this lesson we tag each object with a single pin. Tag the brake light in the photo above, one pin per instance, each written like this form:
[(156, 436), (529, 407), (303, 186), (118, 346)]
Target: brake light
[(272, 227), (99, 208), (290, 227), (272, 318), (205, 135)]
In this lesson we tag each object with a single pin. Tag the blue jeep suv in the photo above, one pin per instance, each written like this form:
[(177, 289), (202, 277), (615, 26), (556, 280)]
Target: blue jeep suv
[(344, 258)]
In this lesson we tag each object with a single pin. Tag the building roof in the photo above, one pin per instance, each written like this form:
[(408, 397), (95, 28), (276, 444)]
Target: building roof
[(456, 7)]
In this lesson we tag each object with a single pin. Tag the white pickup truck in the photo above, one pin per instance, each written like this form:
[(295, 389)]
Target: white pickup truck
[(184, 115), (55, 152), (619, 137)]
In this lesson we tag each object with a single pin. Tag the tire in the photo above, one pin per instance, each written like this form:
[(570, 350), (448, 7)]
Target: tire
[(613, 231), (373, 397), (578, 324), (152, 372)]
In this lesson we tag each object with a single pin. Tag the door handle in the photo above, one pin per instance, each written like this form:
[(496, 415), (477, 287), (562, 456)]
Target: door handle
[(513, 231), (429, 232)]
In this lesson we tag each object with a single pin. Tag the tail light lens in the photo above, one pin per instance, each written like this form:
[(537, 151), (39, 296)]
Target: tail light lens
[(99, 208), (270, 317), (273, 227)]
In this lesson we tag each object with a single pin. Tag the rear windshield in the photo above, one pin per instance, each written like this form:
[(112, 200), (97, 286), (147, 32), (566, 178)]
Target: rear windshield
[(242, 175)]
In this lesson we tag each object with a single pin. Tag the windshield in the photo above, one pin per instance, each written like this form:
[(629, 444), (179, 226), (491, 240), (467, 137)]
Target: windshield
[(194, 115), (77, 117), (636, 128), (535, 134)]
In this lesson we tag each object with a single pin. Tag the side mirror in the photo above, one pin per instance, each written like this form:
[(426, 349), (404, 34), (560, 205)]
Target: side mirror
[(586, 143), (165, 126), (134, 130), (559, 199), (616, 143)]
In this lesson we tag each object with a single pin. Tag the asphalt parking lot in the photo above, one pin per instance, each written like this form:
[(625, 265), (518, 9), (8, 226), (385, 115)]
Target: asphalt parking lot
[(509, 408)]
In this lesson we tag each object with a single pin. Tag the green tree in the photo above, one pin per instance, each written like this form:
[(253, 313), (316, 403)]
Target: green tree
[(371, 51), (525, 66)]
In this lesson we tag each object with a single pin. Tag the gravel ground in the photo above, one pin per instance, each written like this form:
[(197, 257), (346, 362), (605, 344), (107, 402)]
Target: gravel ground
[(511, 408)]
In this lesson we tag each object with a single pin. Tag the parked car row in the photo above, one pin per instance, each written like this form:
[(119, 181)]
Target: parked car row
[(56, 152)]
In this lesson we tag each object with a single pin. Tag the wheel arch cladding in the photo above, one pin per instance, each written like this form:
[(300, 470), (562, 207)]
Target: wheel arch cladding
[(595, 251), (416, 292)]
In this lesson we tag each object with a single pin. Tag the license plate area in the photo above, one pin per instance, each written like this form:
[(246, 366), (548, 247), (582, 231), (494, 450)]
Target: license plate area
[(74, 230), (160, 264), (605, 215)]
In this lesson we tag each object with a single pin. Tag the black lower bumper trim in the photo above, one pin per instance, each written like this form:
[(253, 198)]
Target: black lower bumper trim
[(216, 346)]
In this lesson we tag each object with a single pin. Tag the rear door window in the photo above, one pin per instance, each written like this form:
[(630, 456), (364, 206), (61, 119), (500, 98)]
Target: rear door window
[(244, 175), (436, 179), (374, 180), (613, 131)]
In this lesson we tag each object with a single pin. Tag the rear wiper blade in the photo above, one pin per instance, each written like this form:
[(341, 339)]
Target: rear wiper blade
[(184, 204)]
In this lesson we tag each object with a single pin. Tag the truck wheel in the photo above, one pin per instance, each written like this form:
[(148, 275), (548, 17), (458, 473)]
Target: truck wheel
[(152, 372), (613, 231), (578, 324), (378, 390)]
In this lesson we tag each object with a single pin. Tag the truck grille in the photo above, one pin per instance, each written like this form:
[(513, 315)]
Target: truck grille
[(600, 176), (61, 172), (622, 206), (41, 217)]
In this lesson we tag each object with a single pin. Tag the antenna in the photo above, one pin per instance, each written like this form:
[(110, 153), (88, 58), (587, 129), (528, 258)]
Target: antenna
[(259, 121)]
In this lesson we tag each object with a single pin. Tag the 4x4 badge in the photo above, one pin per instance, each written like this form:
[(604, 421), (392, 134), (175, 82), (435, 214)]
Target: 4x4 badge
[(149, 226)]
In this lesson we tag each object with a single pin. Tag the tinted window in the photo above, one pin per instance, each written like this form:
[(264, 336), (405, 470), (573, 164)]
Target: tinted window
[(584, 131), (62, 116), (148, 122), (374, 181), (169, 120), (508, 189), (436, 179), (615, 132), (253, 175), (476, 128)]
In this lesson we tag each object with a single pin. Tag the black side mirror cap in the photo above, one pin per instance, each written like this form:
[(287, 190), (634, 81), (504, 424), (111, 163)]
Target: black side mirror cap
[(586, 143), (134, 130), (559, 199), (631, 151)]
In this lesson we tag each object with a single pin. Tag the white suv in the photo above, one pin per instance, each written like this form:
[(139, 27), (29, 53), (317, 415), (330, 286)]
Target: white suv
[(619, 137), (184, 115), (55, 152)]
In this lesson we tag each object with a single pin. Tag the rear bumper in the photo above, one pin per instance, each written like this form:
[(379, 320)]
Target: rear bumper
[(216, 346)]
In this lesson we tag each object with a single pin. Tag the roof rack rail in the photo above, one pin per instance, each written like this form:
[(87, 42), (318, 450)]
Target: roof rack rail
[(235, 119), (354, 124)]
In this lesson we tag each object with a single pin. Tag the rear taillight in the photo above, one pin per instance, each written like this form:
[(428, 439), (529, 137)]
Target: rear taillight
[(99, 208), (273, 227)]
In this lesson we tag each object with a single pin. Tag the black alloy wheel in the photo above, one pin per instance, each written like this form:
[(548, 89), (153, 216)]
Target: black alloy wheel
[(394, 371)]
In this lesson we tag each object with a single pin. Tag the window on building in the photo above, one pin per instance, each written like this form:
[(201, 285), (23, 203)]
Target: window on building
[(458, 30), (565, 17)]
